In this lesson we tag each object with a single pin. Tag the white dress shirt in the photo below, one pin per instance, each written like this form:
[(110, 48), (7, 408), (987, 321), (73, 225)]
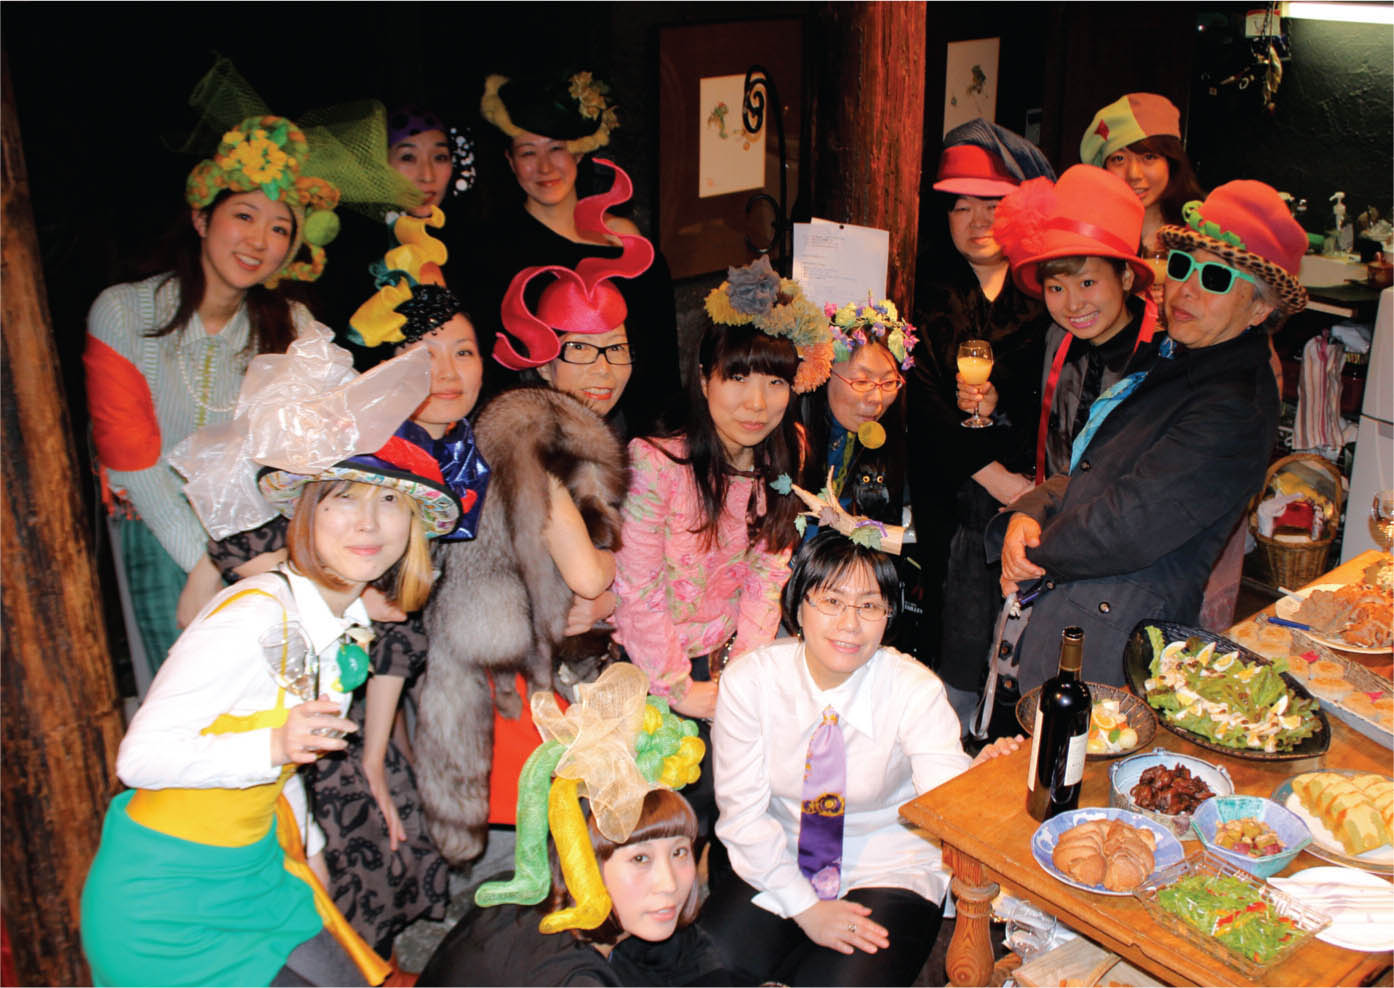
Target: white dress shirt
[(216, 667), (901, 738)]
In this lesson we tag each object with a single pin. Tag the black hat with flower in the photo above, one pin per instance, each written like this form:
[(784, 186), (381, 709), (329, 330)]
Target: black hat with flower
[(575, 110)]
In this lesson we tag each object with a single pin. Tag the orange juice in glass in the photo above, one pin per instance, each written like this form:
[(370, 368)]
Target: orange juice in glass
[(975, 366)]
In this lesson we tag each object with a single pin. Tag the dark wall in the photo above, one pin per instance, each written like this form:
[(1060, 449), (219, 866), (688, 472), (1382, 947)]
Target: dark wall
[(101, 94), (1331, 128), (102, 97)]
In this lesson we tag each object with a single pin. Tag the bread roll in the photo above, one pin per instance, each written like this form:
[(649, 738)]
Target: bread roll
[(1107, 852)]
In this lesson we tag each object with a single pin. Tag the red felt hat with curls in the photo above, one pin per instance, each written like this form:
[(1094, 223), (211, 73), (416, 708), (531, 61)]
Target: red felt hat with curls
[(1088, 213), (579, 301)]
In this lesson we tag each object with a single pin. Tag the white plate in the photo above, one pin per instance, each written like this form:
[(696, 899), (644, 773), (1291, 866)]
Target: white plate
[(1287, 610), (1344, 933), (1168, 851)]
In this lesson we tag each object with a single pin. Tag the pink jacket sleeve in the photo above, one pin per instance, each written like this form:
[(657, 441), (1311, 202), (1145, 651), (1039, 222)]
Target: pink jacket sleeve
[(757, 623), (642, 620)]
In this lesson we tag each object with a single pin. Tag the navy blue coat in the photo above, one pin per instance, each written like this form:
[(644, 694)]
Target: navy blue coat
[(1134, 530)]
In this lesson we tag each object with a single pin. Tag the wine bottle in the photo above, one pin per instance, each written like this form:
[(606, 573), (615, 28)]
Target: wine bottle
[(1062, 731)]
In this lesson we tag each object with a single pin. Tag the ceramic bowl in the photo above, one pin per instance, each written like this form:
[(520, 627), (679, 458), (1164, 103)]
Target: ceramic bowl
[(1282, 821), (1139, 716), (1122, 776)]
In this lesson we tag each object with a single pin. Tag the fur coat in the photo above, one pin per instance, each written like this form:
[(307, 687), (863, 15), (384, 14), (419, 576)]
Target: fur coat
[(500, 604)]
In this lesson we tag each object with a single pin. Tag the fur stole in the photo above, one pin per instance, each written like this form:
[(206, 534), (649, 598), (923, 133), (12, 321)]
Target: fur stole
[(500, 604)]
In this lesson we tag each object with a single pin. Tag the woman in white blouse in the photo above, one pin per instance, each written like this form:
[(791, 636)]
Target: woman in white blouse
[(199, 878), (870, 918)]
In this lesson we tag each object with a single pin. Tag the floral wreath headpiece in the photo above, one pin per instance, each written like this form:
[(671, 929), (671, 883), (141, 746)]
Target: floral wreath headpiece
[(269, 153), (875, 322), (613, 746), (756, 295), (579, 301), (590, 122), (411, 299)]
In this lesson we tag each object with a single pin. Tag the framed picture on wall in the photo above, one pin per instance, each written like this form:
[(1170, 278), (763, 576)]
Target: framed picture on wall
[(717, 148), (970, 81)]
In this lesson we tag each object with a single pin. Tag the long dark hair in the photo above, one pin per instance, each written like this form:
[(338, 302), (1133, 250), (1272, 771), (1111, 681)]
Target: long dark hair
[(734, 351), (1182, 185), (268, 310)]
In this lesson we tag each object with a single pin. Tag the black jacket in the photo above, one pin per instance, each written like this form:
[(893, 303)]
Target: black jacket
[(1134, 530), (502, 945)]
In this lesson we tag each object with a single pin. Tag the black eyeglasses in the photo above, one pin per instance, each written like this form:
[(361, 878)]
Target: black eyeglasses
[(576, 352), (1215, 278)]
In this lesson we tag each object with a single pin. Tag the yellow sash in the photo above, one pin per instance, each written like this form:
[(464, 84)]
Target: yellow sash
[(238, 817)]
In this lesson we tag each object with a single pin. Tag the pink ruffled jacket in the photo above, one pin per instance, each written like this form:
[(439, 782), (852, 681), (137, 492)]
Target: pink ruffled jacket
[(679, 598)]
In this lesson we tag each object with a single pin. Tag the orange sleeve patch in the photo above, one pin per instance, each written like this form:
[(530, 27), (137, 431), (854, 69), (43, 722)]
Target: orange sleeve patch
[(124, 425)]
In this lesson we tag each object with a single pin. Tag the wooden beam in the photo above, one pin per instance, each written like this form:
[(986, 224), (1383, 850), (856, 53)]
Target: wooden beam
[(870, 126), (62, 722)]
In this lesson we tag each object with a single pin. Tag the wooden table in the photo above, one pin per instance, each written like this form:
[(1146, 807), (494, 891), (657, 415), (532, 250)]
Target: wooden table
[(980, 820)]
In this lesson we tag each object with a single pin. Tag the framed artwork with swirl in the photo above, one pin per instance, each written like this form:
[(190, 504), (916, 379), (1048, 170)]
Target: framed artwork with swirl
[(730, 141)]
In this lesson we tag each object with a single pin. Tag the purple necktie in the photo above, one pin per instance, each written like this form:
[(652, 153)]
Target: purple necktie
[(824, 789)]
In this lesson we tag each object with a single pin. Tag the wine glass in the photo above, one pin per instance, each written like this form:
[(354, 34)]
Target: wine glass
[(293, 664), (1382, 519), (975, 364)]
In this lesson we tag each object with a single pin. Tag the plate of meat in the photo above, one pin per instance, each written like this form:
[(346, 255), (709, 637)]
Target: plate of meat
[(1353, 618)]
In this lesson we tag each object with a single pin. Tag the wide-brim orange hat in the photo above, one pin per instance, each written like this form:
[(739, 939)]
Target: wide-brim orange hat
[(1088, 213), (1249, 227)]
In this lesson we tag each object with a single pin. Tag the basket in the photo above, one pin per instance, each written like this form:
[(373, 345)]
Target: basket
[(1295, 564)]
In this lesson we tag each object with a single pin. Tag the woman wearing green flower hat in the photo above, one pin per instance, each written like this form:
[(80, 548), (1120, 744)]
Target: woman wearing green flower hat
[(550, 125), (166, 355)]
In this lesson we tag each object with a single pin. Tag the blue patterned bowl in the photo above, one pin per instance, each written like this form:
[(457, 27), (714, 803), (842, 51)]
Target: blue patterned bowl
[(1287, 825)]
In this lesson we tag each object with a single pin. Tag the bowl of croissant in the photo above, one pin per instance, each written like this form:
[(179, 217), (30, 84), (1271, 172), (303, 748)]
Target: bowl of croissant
[(1104, 850)]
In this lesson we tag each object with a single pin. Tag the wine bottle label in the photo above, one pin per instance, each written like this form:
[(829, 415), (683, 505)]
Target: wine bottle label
[(1074, 760), (1035, 752)]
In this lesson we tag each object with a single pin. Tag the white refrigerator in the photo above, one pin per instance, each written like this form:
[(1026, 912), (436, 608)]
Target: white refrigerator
[(1373, 469)]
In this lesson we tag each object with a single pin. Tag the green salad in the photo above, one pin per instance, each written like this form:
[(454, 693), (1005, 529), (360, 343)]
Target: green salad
[(1231, 911), (1222, 697)]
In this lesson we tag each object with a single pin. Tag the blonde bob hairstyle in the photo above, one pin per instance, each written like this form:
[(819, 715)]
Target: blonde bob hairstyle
[(406, 583)]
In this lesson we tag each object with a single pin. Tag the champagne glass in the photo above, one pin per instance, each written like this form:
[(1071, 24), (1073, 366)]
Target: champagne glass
[(293, 664), (975, 364), (1382, 519)]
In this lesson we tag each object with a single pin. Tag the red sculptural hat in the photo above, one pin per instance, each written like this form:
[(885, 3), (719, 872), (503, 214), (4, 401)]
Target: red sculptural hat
[(579, 301)]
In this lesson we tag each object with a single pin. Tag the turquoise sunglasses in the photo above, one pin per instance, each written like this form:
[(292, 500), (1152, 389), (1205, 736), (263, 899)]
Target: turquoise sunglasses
[(1215, 277)]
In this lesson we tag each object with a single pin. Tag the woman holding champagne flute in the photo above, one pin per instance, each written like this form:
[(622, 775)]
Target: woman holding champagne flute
[(975, 367), (967, 297)]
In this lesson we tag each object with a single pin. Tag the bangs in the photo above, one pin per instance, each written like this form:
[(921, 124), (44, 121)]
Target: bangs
[(665, 814), (1166, 145), (745, 350)]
